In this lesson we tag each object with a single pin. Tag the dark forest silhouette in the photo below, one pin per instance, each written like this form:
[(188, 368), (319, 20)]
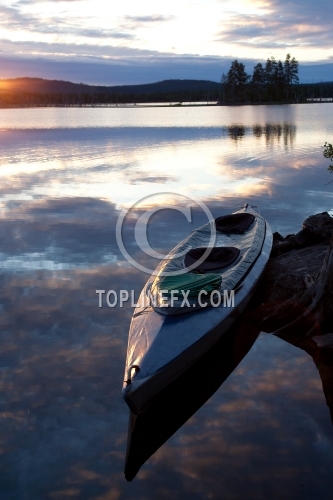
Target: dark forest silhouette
[(275, 81), (272, 82)]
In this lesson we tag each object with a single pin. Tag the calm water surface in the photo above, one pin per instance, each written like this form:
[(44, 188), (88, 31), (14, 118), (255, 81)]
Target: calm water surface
[(65, 176)]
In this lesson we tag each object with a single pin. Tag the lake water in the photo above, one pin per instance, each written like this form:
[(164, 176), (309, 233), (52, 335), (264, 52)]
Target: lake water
[(66, 174)]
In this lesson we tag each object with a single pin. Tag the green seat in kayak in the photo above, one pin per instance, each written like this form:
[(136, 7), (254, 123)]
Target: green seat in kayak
[(189, 281)]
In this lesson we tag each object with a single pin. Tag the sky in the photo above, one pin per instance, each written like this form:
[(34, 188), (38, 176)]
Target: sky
[(131, 42)]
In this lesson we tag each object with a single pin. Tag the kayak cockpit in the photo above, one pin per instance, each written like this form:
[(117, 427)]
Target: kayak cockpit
[(225, 247)]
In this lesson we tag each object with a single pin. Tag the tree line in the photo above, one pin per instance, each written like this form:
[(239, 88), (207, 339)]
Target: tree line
[(61, 99), (274, 81)]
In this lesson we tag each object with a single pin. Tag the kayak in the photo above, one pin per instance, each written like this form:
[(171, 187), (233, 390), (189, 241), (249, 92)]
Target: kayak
[(192, 299)]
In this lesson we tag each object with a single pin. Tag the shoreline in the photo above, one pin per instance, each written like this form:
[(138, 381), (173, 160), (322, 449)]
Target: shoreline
[(165, 105)]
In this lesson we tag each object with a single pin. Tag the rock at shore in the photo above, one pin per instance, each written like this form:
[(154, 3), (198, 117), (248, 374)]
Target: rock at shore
[(296, 292)]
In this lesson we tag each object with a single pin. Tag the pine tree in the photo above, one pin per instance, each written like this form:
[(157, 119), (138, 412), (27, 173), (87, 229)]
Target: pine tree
[(237, 75), (280, 73), (294, 71), (286, 68), (258, 76), (290, 70), (224, 79), (270, 70)]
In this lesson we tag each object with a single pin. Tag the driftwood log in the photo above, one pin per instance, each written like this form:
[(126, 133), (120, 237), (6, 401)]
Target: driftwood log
[(296, 294)]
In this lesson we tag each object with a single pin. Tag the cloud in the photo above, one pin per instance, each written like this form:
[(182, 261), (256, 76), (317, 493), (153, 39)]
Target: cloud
[(75, 50), (127, 45), (12, 18), (154, 18), (282, 24), (32, 2), (155, 179), (98, 33), (119, 66), (275, 34), (124, 66)]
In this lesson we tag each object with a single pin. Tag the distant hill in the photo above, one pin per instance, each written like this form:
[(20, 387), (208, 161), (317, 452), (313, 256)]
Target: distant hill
[(41, 86), (31, 92)]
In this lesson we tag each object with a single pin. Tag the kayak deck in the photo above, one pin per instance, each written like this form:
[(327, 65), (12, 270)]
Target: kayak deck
[(162, 347)]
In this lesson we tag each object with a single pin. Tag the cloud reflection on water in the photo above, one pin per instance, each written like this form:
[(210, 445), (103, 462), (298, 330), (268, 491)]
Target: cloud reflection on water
[(64, 423), (265, 433), (62, 361), (270, 428), (118, 167)]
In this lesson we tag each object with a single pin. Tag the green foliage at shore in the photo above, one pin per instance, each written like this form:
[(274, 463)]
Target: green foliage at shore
[(328, 153)]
